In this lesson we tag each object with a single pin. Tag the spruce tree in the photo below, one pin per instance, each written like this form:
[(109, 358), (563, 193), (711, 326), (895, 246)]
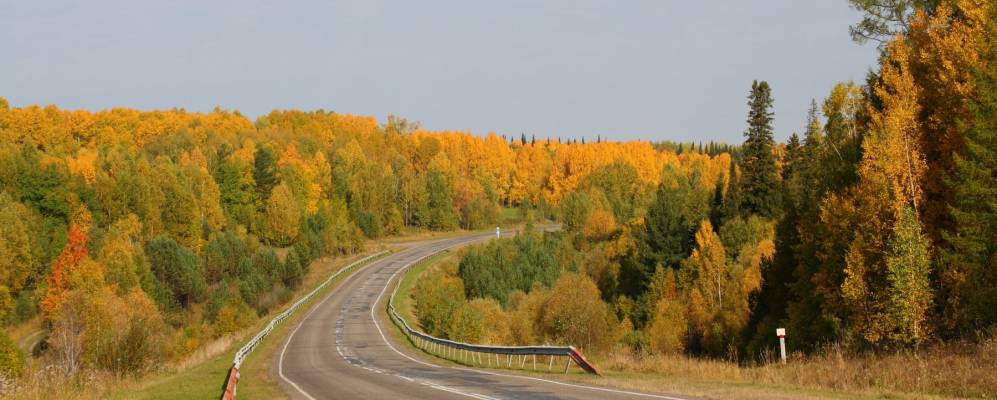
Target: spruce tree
[(732, 199), (812, 135), (791, 164), (760, 186), (970, 250), (264, 174), (717, 205)]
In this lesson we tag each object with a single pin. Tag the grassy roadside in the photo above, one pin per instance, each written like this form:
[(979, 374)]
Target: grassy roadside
[(205, 379), (403, 300), (682, 376)]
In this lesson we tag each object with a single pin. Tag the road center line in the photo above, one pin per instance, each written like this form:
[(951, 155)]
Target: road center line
[(280, 362)]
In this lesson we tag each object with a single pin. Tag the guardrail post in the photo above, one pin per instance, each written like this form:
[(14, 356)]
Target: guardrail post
[(567, 364), (522, 361), (551, 366), (510, 361), (534, 362)]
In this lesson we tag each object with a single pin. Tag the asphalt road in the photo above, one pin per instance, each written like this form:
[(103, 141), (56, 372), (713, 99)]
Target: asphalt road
[(343, 349)]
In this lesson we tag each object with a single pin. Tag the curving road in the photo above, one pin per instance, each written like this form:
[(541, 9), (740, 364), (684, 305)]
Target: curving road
[(342, 349)]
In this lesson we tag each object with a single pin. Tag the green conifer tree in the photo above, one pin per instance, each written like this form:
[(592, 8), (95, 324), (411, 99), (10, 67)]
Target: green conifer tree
[(760, 189), (969, 255)]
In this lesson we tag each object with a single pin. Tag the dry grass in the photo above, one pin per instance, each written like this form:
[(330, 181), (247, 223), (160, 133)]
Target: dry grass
[(211, 350), (944, 370)]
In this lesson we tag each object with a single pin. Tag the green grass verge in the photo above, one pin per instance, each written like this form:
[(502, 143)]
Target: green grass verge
[(403, 298), (510, 215), (205, 380), (201, 382)]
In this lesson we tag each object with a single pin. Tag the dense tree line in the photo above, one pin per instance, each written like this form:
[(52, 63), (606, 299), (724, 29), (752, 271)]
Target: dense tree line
[(208, 220), (139, 235), (874, 230)]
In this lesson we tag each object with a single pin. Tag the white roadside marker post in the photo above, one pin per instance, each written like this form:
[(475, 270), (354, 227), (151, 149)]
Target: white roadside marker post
[(498, 233), (781, 333)]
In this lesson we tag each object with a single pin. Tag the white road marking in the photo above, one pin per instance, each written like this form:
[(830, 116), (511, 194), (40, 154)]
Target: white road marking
[(280, 362), (602, 389), (451, 390), (373, 309)]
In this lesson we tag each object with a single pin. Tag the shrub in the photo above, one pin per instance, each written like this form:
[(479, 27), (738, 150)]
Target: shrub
[(437, 297), (574, 314), (11, 357), (668, 329), (480, 321)]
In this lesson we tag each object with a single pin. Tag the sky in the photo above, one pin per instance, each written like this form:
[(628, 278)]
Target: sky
[(625, 70)]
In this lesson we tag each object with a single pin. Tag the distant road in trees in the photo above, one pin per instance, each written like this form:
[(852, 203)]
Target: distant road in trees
[(343, 350)]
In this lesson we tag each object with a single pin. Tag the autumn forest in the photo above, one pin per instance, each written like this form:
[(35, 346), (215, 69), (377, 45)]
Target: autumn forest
[(137, 237)]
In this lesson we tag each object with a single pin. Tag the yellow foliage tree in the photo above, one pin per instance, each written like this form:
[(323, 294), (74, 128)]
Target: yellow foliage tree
[(282, 216), (575, 314)]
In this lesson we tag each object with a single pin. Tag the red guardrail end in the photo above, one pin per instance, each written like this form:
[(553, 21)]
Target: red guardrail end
[(230, 384), (579, 359)]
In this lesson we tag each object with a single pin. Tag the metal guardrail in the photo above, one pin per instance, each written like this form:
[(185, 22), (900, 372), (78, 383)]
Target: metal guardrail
[(471, 354), (231, 382)]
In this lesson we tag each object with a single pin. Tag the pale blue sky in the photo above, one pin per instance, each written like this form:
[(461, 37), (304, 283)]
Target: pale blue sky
[(623, 69)]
